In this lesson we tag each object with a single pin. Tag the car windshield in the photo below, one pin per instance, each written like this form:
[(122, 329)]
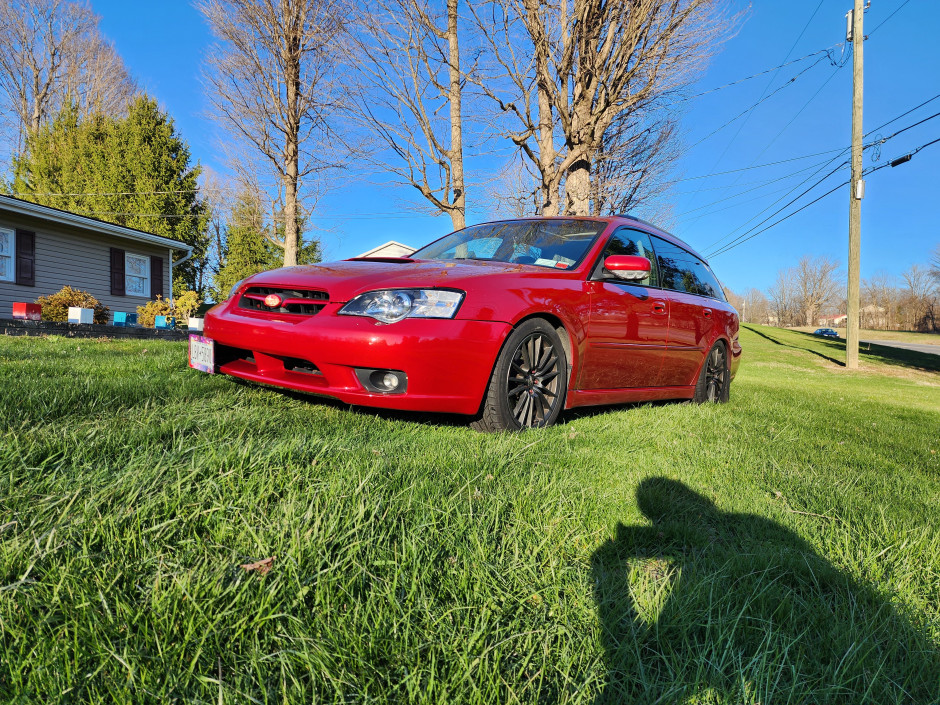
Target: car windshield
[(558, 244)]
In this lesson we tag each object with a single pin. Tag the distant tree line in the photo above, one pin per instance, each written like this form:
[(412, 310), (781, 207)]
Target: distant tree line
[(815, 287)]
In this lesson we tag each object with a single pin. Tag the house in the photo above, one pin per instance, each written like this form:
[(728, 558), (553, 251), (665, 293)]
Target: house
[(389, 249), (43, 249), (833, 321)]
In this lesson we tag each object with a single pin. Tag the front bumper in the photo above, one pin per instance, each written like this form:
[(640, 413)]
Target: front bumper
[(448, 363)]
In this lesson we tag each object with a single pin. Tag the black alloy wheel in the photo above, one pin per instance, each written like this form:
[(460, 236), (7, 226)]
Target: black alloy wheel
[(715, 378), (529, 382), (532, 381)]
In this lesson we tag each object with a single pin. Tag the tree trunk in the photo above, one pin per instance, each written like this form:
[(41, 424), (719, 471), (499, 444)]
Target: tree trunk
[(459, 211), (547, 155), (578, 188), (291, 148), (578, 178), (291, 236)]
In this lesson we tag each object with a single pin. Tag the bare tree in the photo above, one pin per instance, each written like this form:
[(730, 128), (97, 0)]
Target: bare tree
[(880, 302), (52, 51), (919, 286), (217, 192), (514, 190), (407, 59), (576, 67), (96, 78), (816, 285), (756, 307), (633, 162), (784, 298), (269, 81), (918, 282), (935, 264)]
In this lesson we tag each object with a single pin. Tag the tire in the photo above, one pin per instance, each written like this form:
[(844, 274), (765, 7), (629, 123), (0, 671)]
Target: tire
[(714, 380), (529, 381)]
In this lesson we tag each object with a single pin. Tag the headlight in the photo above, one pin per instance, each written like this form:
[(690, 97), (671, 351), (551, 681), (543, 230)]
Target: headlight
[(234, 289), (391, 305)]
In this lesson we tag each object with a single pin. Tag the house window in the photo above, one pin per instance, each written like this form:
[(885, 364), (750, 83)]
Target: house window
[(136, 275), (7, 240)]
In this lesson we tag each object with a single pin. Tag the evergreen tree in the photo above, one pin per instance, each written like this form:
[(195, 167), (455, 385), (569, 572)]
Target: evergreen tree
[(133, 171), (247, 251), (248, 248)]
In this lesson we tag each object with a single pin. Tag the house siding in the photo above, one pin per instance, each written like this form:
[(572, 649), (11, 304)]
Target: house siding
[(75, 257)]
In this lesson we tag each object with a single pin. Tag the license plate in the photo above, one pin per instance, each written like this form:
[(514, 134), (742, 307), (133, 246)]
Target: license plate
[(202, 354)]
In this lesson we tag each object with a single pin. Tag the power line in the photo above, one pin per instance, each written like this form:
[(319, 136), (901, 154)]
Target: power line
[(762, 73), (899, 8), (904, 114), (756, 187), (789, 215), (877, 143), (870, 170), (798, 113), (769, 84), (752, 107), (903, 129), (743, 236)]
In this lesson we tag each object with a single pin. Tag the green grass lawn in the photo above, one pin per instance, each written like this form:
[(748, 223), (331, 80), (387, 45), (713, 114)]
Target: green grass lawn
[(782, 548)]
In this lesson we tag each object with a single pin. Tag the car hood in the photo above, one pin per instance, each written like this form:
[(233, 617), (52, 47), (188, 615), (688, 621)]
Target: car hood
[(345, 280)]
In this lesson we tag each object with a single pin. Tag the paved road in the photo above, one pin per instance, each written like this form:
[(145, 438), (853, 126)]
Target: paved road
[(918, 347)]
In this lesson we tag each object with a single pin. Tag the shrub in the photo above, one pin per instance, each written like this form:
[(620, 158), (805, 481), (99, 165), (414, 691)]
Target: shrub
[(183, 307), (147, 314), (55, 307), (187, 303)]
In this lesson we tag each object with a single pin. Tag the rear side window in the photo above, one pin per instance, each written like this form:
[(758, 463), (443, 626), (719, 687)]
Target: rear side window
[(682, 271), (628, 242)]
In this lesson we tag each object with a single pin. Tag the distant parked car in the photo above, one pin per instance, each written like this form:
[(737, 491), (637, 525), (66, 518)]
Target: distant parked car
[(510, 322), (826, 333)]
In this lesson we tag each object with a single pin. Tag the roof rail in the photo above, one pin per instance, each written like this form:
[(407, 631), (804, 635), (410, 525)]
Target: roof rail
[(633, 217)]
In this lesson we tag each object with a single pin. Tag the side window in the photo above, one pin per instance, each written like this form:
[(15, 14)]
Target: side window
[(628, 242), (710, 283), (7, 241), (682, 271)]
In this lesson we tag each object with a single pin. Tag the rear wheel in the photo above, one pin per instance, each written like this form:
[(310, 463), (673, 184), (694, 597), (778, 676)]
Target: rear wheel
[(529, 382), (714, 381)]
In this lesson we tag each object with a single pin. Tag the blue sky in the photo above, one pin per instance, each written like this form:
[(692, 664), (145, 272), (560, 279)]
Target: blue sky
[(163, 44)]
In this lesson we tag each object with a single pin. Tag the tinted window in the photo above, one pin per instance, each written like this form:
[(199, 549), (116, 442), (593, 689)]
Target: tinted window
[(682, 271), (628, 242), (559, 244)]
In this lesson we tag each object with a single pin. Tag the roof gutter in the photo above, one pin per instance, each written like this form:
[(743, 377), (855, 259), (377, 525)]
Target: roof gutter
[(35, 210)]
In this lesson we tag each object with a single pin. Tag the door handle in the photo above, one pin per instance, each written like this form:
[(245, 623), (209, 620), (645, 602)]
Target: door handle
[(707, 312), (659, 307)]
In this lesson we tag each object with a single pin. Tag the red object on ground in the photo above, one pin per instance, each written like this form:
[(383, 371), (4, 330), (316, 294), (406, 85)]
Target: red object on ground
[(27, 312), (450, 311)]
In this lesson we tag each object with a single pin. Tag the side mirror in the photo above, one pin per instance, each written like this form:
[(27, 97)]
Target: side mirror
[(628, 267)]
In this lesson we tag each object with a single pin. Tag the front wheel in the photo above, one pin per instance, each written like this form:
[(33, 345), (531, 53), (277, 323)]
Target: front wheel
[(529, 382), (714, 381)]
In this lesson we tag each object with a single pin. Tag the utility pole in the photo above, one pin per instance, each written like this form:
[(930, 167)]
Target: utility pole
[(857, 191)]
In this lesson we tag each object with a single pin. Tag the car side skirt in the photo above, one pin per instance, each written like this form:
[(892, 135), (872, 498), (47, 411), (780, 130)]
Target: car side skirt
[(590, 397)]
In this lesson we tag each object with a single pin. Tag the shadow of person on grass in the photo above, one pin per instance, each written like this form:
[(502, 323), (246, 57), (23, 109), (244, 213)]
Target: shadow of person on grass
[(705, 606)]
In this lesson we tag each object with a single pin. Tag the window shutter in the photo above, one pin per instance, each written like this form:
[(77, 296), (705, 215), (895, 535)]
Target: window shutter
[(117, 272), (25, 258), (156, 276)]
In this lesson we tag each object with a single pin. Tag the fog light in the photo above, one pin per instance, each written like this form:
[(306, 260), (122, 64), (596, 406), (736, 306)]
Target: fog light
[(383, 381)]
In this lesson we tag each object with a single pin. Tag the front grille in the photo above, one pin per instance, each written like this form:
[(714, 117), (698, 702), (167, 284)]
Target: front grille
[(305, 302)]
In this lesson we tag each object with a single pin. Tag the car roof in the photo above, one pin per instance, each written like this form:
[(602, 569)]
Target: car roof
[(621, 219)]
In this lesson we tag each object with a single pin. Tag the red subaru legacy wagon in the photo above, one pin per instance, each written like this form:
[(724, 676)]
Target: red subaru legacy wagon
[(507, 322)]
